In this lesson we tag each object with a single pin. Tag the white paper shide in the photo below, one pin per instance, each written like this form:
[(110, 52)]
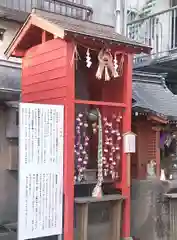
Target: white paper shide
[(40, 170)]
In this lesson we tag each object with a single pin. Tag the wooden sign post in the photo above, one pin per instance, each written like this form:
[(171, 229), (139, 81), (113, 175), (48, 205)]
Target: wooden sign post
[(129, 143)]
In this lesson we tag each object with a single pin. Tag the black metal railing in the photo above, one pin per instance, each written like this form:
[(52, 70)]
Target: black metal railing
[(72, 8), (159, 30)]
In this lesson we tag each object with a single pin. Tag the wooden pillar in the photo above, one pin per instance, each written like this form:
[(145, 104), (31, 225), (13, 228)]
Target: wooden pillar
[(82, 221), (127, 97), (69, 148), (115, 217)]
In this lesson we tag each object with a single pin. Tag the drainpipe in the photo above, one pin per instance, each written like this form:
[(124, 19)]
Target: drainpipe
[(117, 13), (121, 17)]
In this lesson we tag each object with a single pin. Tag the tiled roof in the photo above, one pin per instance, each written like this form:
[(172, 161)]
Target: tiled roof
[(87, 28), (64, 26), (151, 93)]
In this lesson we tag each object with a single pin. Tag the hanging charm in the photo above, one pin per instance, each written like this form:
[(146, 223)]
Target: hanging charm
[(81, 147), (111, 146), (75, 57), (105, 65), (107, 77), (119, 67), (97, 191), (116, 74), (88, 59)]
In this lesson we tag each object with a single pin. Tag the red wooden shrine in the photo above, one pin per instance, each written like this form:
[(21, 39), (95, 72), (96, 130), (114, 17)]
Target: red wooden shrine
[(51, 50)]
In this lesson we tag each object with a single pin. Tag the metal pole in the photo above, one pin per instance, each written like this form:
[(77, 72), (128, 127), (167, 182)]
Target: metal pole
[(123, 18)]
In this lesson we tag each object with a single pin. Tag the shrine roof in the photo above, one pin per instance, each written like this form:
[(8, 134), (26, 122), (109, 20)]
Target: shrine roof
[(61, 26), (151, 94)]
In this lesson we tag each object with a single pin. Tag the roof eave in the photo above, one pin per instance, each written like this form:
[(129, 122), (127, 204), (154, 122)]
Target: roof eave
[(35, 21), (136, 48), (138, 108), (15, 41)]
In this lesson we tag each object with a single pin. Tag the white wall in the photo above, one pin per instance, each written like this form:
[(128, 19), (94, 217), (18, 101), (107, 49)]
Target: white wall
[(165, 21), (11, 28), (103, 13)]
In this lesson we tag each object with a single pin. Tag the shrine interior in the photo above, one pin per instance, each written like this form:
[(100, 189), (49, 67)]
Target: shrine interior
[(89, 93)]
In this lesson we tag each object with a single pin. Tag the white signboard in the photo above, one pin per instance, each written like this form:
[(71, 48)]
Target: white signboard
[(130, 143), (40, 170)]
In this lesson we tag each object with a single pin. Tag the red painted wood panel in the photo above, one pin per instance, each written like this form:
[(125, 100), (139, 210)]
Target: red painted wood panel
[(46, 57), (46, 76), (54, 101), (55, 84), (45, 48), (42, 79), (44, 67), (45, 94)]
